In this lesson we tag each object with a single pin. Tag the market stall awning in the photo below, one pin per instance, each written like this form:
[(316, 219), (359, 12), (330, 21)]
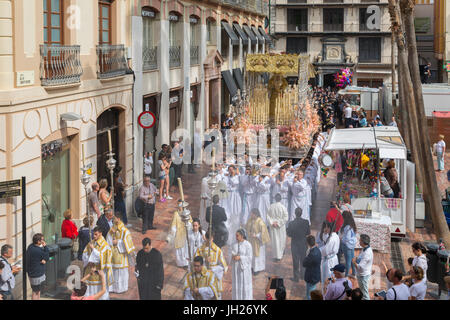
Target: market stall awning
[(241, 33), (386, 139), (229, 81), (260, 37), (265, 35), (237, 73), (234, 38), (250, 34)]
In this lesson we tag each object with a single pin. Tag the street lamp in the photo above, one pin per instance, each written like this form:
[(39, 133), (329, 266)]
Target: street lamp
[(85, 178), (111, 164)]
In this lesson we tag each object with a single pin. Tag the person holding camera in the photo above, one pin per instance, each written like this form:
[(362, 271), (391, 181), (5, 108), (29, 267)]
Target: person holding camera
[(337, 287), (363, 265), (37, 256), (7, 277)]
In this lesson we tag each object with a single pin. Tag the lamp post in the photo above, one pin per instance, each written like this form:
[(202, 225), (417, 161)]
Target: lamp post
[(85, 178), (111, 164)]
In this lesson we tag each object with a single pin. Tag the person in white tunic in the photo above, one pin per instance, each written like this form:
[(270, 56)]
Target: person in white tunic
[(242, 286), (247, 191), (280, 185), (301, 197), (329, 251), (234, 203), (258, 236), (205, 200), (262, 192), (196, 237), (97, 255), (123, 253), (277, 217)]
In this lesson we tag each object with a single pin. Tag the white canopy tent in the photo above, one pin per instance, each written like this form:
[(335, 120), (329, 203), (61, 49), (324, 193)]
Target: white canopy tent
[(387, 140)]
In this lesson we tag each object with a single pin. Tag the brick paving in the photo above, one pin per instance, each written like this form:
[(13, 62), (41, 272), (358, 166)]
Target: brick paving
[(174, 276)]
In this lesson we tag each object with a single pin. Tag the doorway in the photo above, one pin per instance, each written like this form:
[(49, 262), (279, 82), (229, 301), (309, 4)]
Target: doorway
[(55, 187), (328, 80)]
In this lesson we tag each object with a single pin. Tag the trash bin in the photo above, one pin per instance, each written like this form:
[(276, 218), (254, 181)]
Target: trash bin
[(432, 271), (51, 268), (442, 260), (65, 255)]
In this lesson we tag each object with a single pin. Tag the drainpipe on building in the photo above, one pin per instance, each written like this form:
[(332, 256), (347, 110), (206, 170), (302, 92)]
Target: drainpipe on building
[(131, 71)]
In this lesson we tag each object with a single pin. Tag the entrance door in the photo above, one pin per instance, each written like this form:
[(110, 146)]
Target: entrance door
[(55, 187), (328, 80), (108, 120)]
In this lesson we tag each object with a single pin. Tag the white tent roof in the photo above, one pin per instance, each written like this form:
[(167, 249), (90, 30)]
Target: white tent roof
[(388, 141)]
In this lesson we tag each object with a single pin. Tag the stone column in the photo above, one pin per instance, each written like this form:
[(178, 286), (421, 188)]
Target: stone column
[(203, 55), (186, 102), (207, 105), (163, 58), (6, 46)]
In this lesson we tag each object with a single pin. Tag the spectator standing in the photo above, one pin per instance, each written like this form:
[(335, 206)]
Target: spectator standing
[(177, 160), (7, 277), (119, 199), (440, 153), (149, 271), (94, 205), (348, 115), (68, 228), (297, 230), (148, 163), (106, 221), (311, 263), (362, 121), (83, 236), (348, 241), (419, 289), (147, 193), (420, 260), (393, 122), (363, 264), (334, 287), (399, 290), (103, 195), (37, 257)]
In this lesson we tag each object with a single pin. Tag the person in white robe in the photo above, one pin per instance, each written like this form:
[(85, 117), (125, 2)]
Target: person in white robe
[(233, 207), (258, 236), (329, 251), (277, 217), (201, 283), (196, 237), (247, 183), (205, 201), (280, 185), (97, 255), (242, 255), (262, 192), (301, 197), (177, 237), (123, 254)]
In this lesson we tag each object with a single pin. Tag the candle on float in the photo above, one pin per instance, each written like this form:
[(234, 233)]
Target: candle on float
[(109, 140), (214, 159), (82, 152), (180, 186)]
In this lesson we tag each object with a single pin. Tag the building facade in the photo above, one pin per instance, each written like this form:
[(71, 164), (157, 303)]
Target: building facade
[(337, 34), (64, 82), (188, 59)]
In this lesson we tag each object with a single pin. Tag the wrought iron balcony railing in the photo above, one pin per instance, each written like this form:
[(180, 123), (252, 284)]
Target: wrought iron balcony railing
[(111, 61), (174, 56), (150, 58), (194, 55), (297, 27), (60, 65)]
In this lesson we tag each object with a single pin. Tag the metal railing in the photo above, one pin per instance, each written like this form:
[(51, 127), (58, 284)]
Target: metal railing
[(194, 55), (333, 27), (174, 56), (111, 61), (257, 6), (60, 65), (150, 58), (297, 27), (296, 1)]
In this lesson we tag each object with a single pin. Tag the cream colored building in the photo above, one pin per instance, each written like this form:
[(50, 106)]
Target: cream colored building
[(336, 35), (52, 66)]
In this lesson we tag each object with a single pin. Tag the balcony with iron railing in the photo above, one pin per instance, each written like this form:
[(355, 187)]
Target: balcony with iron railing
[(111, 61), (328, 27), (194, 55), (149, 58), (60, 65), (174, 56), (297, 27)]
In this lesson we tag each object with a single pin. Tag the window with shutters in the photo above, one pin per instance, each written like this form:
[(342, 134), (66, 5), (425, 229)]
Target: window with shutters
[(296, 44), (333, 19), (105, 22), (370, 49), (53, 22)]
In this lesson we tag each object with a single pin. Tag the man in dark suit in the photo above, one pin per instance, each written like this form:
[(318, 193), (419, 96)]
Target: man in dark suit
[(149, 271), (311, 263), (106, 221), (219, 229), (298, 230)]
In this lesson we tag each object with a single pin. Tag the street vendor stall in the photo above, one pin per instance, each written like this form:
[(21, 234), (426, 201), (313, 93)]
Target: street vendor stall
[(365, 152)]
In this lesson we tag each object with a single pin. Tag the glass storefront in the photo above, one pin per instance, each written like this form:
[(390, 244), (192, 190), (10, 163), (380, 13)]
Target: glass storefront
[(55, 187)]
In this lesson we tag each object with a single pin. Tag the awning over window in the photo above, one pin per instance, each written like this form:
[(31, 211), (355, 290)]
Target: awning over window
[(241, 33), (250, 34), (260, 37), (231, 34), (237, 73), (229, 81), (265, 35)]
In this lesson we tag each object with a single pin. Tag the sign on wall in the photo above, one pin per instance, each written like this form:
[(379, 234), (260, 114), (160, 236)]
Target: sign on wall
[(147, 12), (25, 78), (146, 119)]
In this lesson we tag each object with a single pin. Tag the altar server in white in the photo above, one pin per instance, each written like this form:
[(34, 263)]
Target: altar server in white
[(277, 217), (329, 251), (301, 196), (242, 287)]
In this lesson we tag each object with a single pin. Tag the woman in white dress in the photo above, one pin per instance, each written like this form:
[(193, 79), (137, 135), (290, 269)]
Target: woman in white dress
[(196, 237), (242, 286), (329, 251), (233, 207)]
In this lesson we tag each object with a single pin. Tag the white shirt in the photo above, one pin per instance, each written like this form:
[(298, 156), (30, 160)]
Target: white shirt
[(148, 165), (401, 290), (348, 112), (440, 146), (418, 290), (365, 263), (422, 262)]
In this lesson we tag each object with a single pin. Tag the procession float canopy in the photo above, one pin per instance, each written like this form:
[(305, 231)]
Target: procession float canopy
[(270, 102)]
